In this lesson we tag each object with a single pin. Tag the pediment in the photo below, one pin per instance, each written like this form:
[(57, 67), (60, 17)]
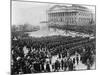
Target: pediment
[(58, 7)]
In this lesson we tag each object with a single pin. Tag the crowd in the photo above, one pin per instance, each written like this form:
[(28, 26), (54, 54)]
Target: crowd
[(50, 54)]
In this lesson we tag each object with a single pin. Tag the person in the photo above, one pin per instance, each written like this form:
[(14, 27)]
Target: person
[(62, 64), (65, 65), (77, 59), (57, 65), (59, 55), (88, 64), (47, 67), (73, 60), (53, 67), (36, 67), (70, 65), (42, 66)]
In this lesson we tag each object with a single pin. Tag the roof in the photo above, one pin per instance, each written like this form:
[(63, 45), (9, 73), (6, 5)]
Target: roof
[(65, 7)]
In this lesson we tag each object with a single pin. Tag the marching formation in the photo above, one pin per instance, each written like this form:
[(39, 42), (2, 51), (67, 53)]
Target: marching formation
[(51, 54)]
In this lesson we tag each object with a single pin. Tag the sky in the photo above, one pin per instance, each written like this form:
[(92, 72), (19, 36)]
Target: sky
[(31, 12)]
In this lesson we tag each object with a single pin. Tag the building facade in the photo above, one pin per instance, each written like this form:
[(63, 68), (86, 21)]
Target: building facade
[(69, 15)]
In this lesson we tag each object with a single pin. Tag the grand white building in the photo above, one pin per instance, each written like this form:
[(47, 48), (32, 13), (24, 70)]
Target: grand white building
[(69, 15)]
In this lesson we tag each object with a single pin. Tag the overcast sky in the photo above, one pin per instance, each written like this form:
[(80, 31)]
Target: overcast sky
[(31, 12)]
